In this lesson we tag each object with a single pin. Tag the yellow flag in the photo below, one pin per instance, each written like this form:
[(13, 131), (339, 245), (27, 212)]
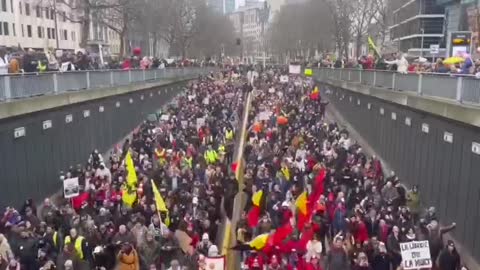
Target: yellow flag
[(301, 203), (132, 174), (160, 203), (259, 242), (129, 196), (257, 197)]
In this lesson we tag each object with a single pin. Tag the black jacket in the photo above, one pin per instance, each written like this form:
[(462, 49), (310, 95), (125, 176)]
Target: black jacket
[(381, 261), (449, 260)]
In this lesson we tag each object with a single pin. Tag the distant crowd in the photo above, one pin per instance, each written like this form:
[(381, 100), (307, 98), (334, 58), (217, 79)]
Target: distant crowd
[(31, 61)]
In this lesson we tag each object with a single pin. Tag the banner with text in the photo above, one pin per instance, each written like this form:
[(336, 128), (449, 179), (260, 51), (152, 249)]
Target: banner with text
[(416, 255)]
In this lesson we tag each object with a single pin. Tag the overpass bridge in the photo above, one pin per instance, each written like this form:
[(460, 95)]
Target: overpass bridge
[(426, 127)]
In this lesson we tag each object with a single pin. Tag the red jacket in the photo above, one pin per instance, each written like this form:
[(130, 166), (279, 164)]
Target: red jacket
[(361, 235)]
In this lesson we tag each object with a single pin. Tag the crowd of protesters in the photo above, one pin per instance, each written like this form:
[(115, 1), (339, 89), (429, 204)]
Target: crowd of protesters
[(317, 200), (185, 155), (31, 61), (461, 64)]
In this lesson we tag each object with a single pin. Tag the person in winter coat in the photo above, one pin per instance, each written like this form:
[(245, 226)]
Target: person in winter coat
[(149, 250), (337, 256), (127, 258), (381, 260), (401, 62), (449, 258), (393, 247), (436, 237), (413, 203)]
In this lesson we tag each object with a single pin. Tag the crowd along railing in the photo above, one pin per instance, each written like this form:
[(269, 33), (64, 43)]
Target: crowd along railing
[(18, 86), (457, 87)]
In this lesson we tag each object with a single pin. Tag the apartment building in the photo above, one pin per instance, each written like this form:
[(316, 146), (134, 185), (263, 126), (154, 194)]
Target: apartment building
[(38, 24)]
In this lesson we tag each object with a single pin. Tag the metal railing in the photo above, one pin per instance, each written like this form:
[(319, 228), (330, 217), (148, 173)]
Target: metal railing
[(27, 85), (457, 87)]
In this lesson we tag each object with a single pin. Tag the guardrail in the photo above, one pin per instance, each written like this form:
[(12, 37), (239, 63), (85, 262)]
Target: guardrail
[(457, 87), (37, 84)]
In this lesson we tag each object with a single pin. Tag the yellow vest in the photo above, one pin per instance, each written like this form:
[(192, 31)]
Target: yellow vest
[(188, 161), (286, 173), (78, 245), (229, 135), (221, 149), (211, 156), (41, 67)]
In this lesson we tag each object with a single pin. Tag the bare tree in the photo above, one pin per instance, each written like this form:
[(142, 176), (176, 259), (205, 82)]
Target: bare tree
[(341, 11), (363, 15)]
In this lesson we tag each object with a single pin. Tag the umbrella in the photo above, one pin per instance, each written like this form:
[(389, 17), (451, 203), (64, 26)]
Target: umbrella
[(453, 60)]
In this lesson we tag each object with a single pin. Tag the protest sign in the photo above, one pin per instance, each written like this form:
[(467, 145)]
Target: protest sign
[(71, 188), (294, 69), (165, 117), (215, 263), (284, 79), (416, 255), (264, 116), (200, 122)]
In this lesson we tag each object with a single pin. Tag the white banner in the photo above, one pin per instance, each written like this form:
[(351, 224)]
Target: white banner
[(416, 255), (294, 69), (71, 188), (264, 116), (165, 117), (200, 122), (284, 79)]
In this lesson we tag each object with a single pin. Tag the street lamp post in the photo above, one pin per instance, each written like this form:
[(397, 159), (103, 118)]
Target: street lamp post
[(56, 23), (423, 37)]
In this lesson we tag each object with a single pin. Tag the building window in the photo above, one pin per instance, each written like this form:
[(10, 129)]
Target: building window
[(39, 30), (73, 35), (49, 36), (20, 7), (39, 11), (5, 28), (14, 31), (64, 16), (1, 31), (4, 5), (27, 9), (23, 31), (65, 35), (53, 33), (52, 14), (29, 31), (47, 13)]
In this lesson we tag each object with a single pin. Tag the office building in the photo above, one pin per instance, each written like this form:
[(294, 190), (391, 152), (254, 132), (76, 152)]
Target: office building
[(418, 24), (39, 25)]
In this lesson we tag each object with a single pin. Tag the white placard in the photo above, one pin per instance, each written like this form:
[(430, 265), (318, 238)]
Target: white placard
[(434, 49), (294, 69), (264, 116), (215, 263), (71, 188), (416, 255), (191, 97), (369, 106), (47, 124), (382, 111), (206, 101), (184, 124), (358, 102), (394, 116), (284, 79), (425, 128), (200, 122), (165, 117), (68, 118), (19, 132)]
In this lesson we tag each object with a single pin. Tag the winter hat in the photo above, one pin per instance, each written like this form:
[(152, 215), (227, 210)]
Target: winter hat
[(205, 236)]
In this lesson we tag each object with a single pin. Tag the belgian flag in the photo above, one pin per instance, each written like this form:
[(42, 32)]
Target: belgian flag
[(302, 210), (258, 201), (315, 94), (257, 243)]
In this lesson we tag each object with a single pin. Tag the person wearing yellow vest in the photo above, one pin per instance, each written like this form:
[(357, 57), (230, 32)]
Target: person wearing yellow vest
[(187, 162), (41, 67), (211, 155), (229, 134), (161, 155), (77, 243), (52, 237)]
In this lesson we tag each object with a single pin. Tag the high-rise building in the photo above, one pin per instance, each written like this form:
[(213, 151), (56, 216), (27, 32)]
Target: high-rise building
[(418, 24)]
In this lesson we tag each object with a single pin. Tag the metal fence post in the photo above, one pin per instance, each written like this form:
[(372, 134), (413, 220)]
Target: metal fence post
[(55, 83), (419, 87), (374, 78), (144, 75), (459, 89), (349, 75), (87, 74), (360, 76), (340, 74), (111, 78), (155, 74), (8, 90), (129, 76), (393, 80)]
